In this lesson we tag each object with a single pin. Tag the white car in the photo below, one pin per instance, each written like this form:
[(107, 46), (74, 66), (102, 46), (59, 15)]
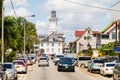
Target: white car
[(20, 66), (43, 61), (107, 68), (10, 70)]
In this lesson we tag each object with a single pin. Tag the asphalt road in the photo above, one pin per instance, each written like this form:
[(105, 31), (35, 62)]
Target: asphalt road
[(51, 73)]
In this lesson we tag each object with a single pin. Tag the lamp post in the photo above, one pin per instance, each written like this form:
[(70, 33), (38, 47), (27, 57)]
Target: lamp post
[(2, 46), (24, 29)]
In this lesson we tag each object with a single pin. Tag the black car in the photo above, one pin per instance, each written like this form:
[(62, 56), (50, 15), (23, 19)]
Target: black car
[(66, 64)]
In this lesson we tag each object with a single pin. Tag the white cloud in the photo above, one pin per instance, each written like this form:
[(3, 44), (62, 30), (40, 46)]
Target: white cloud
[(42, 27), (17, 3), (19, 11)]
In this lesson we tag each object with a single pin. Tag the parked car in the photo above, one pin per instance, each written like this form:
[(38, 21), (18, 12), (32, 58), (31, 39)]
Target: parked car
[(83, 61), (3, 75), (66, 63), (116, 72), (94, 65), (75, 61), (29, 60), (57, 57), (52, 56), (10, 70), (24, 59), (20, 66), (43, 61), (33, 58), (107, 68)]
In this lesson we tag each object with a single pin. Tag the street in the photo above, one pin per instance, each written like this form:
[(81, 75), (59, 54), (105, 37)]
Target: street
[(51, 73)]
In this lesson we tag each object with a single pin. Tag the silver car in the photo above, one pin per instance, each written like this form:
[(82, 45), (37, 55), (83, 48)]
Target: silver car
[(10, 70), (43, 61)]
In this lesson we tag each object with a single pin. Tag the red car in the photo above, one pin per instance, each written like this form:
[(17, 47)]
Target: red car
[(25, 61)]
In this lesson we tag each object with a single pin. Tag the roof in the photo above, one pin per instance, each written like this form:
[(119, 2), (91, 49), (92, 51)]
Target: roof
[(107, 27), (81, 32)]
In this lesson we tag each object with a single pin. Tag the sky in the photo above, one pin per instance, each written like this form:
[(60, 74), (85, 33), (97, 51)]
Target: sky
[(71, 16)]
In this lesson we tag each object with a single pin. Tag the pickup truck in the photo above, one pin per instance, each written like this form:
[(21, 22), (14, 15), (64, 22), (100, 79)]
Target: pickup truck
[(83, 61)]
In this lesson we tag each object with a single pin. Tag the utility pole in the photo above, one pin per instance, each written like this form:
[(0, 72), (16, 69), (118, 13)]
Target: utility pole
[(2, 46)]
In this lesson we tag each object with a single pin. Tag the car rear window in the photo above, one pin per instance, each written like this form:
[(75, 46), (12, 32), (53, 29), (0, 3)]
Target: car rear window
[(84, 58), (18, 63), (7, 66), (98, 61), (43, 59), (110, 65), (59, 56)]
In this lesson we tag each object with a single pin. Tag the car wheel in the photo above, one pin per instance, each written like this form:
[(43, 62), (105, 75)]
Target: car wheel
[(88, 70), (91, 71), (58, 69), (73, 70), (113, 77), (82, 65), (104, 73), (16, 78)]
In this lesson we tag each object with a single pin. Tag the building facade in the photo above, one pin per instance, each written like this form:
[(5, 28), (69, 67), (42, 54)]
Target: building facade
[(54, 41), (85, 39)]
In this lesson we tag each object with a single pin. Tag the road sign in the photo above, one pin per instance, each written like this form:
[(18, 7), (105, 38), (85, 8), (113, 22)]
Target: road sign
[(117, 49)]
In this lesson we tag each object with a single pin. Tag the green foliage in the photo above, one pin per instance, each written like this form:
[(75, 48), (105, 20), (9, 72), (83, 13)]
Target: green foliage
[(14, 36), (10, 56), (80, 52), (108, 49)]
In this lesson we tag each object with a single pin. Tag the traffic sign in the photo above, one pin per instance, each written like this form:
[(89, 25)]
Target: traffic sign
[(117, 49)]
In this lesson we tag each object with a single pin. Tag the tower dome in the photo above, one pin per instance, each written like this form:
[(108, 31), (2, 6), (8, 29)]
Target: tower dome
[(53, 13)]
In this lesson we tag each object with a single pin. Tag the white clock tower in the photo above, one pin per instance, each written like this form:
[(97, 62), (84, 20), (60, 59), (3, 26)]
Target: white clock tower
[(53, 22)]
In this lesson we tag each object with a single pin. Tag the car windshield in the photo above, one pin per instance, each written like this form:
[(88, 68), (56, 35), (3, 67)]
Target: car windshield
[(7, 66), (110, 65), (66, 60)]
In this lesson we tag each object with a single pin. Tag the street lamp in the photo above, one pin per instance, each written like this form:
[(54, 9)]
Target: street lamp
[(2, 46), (24, 28)]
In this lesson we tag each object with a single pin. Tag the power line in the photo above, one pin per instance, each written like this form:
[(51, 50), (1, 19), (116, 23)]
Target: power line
[(13, 8), (103, 8)]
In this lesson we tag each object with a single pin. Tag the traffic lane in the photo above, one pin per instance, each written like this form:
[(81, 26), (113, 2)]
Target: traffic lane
[(51, 73), (96, 75), (21, 76)]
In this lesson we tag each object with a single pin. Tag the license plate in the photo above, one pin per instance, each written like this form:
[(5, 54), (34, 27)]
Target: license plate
[(17, 66), (66, 66)]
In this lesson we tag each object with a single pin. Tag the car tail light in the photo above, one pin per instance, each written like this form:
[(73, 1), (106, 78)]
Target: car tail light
[(106, 69), (23, 65), (38, 60), (47, 61)]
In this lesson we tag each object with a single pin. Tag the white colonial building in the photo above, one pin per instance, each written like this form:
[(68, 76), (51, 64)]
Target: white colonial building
[(86, 38), (54, 41)]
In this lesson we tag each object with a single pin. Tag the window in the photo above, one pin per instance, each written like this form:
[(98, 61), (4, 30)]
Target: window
[(52, 44), (52, 50), (41, 44), (105, 36), (88, 31), (47, 49), (58, 49), (84, 37), (47, 44), (113, 35), (58, 44)]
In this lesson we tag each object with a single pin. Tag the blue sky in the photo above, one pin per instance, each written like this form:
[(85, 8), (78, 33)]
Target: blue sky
[(71, 16)]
